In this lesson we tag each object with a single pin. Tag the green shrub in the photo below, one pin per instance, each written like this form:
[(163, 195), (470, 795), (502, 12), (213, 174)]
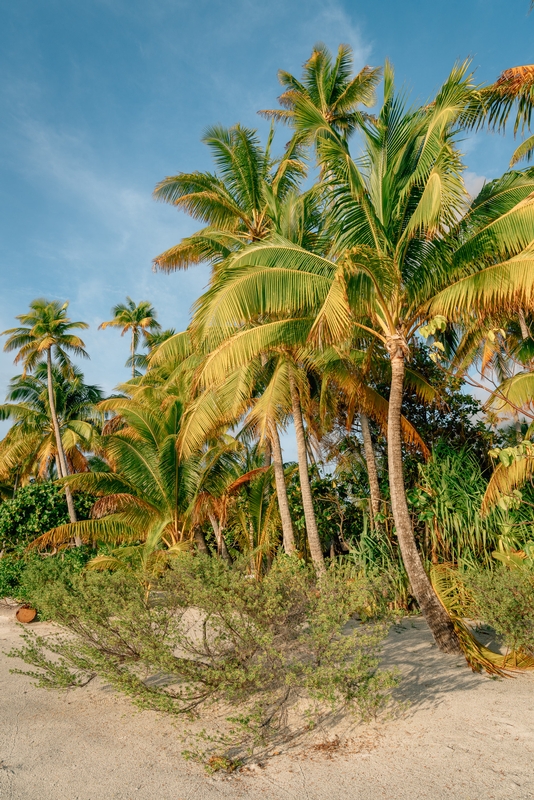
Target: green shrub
[(34, 510), (504, 599), (27, 577), (214, 635), (11, 571)]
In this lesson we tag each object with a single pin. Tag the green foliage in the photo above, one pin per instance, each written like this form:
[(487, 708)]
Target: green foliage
[(12, 568), (35, 509), (504, 599), (339, 517), (26, 576), (209, 634), (447, 501)]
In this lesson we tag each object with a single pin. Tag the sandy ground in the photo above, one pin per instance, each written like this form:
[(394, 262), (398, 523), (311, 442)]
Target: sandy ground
[(463, 736)]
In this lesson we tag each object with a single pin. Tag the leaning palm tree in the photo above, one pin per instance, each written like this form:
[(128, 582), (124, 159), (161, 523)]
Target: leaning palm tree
[(138, 319), (29, 447), (45, 334), (408, 246)]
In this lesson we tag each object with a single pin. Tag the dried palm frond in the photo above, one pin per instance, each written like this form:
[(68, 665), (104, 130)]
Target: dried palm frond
[(455, 598)]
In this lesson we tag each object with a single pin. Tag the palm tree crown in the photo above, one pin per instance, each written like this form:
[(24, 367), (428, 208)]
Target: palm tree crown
[(233, 203), (327, 90), (46, 328), (138, 319)]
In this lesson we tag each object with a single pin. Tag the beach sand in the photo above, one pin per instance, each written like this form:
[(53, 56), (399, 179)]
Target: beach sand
[(461, 736)]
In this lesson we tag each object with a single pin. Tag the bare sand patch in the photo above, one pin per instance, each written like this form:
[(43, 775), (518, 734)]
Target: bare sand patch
[(462, 736)]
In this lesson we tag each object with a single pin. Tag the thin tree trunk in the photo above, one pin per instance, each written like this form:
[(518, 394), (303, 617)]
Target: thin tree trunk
[(314, 542), (61, 460), (200, 541), (370, 459), (281, 491), (222, 550), (523, 325), (435, 614), (133, 353), (268, 452)]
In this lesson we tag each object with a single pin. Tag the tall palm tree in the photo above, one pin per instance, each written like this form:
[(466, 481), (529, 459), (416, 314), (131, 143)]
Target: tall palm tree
[(45, 333), (138, 319), (29, 446), (408, 246), (232, 202)]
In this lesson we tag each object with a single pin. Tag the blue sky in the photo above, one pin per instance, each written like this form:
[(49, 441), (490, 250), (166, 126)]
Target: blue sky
[(101, 99)]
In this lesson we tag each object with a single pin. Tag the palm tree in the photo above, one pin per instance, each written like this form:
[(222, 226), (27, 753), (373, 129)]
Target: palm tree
[(29, 447), (327, 90), (297, 218), (233, 202), (408, 246), (138, 319), (147, 495), (227, 467), (45, 333)]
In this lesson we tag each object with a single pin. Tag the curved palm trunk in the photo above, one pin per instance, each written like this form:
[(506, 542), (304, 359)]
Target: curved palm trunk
[(314, 542), (281, 491), (437, 618), (370, 459), (61, 460)]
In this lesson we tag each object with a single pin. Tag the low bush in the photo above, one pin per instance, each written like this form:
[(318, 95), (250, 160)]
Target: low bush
[(504, 599), (208, 634), (12, 568), (27, 576), (35, 509)]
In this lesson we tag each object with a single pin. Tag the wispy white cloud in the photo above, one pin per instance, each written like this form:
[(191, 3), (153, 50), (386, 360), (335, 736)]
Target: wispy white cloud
[(104, 252), (97, 228), (474, 182)]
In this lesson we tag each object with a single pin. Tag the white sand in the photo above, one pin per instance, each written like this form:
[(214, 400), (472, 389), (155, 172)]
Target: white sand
[(464, 737)]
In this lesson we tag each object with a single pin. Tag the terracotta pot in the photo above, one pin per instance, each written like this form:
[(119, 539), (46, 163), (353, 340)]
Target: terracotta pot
[(26, 614)]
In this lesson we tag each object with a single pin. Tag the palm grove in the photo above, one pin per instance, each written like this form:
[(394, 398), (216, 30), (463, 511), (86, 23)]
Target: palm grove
[(354, 307)]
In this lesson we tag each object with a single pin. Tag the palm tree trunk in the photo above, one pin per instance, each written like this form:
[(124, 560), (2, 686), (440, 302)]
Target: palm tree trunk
[(200, 541), (133, 353), (370, 459), (523, 325), (222, 550), (314, 542), (281, 491), (61, 460), (437, 618)]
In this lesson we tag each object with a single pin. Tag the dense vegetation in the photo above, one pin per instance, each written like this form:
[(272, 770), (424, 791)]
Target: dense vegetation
[(355, 313)]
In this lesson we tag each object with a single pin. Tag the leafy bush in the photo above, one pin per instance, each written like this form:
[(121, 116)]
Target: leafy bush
[(11, 571), (339, 518), (504, 599), (27, 576), (34, 510), (213, 635)]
